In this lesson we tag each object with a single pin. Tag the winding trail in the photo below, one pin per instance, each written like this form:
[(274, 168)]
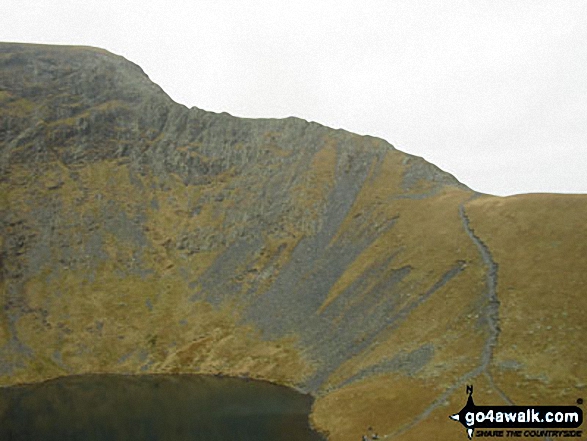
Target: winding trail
[(492, 308), (491, 313), (491, 318)]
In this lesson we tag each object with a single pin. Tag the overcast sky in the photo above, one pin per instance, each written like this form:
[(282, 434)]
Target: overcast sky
[(492, 91)]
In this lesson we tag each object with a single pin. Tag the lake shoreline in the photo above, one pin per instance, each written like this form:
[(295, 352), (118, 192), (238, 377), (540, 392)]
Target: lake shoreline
[(193, 387)]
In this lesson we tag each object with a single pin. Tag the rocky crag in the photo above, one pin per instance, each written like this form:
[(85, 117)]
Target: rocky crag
[(139, 236)]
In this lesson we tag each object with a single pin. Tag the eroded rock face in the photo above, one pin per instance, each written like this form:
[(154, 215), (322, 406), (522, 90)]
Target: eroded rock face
[(142, 236)]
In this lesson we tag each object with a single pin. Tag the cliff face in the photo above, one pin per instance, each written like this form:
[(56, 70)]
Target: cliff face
[(140, 236)]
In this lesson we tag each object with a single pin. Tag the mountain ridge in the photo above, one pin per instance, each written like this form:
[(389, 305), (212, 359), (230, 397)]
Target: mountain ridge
[(140, 236)]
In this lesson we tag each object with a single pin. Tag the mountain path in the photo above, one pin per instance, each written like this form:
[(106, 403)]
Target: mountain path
[(491, 315)]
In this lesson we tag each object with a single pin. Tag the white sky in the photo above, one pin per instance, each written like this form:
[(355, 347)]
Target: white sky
[(492, 91)]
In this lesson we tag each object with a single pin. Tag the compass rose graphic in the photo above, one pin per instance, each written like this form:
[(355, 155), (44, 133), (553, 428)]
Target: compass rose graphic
[(469, 407)]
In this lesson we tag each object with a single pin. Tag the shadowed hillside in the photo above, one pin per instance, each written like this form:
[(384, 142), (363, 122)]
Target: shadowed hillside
[(139, 236)]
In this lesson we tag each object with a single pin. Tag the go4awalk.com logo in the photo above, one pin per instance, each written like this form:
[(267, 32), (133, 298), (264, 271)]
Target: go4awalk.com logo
[(519, 421)]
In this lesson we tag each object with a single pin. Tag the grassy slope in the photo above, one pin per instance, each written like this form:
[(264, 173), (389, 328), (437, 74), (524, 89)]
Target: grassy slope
[(538, 242), (96, 315)]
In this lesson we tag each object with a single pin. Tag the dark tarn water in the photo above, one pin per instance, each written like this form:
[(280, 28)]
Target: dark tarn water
[(154, 408)]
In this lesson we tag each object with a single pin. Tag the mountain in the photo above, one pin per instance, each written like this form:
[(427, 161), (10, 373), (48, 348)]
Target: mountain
[(140, 236)]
